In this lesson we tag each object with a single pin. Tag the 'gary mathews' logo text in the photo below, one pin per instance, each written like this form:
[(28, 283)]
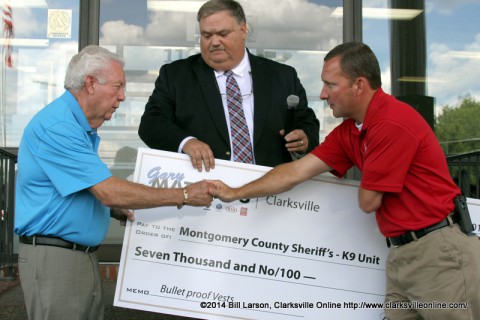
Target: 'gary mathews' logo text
[(159, 179)]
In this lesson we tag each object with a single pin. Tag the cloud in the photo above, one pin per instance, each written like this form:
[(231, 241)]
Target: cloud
[(451, 76), (275, 25), (27, 25), (42, 74), (445, 6), (299, 25), (440, 6), (119, 33), (172, 28)]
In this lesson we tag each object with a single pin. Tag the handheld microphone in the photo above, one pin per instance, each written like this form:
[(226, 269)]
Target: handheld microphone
[(292, 103)]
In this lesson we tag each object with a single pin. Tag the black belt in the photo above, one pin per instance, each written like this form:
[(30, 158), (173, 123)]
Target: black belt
[(56, 242), (410, 236)]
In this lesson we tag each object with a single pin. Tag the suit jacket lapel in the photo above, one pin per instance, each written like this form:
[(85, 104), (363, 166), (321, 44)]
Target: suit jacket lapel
[(212, 98), (262, 91)]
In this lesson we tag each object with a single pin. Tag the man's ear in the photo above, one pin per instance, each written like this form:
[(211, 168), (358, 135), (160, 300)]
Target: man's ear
[(244, 30), (360, 84), (89, 82)]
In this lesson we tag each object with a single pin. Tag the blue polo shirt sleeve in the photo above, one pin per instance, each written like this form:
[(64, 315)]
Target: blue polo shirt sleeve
[(69, 159)]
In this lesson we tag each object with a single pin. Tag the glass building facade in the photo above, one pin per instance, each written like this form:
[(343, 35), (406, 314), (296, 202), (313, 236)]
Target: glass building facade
[(429, 53)]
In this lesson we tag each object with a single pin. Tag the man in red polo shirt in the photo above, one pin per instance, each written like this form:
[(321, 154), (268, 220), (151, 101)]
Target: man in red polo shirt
[(405, 181)]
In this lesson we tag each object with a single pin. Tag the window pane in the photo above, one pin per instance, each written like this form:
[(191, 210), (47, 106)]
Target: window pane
[(45, 38), (151, 33), (449, 41)]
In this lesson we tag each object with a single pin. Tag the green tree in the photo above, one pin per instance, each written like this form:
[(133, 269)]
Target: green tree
[(458, 127)]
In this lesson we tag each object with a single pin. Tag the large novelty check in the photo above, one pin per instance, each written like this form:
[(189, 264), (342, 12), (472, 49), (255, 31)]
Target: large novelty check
[(308, 253)]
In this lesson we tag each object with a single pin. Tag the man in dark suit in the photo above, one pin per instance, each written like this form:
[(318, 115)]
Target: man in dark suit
[(187, 111)]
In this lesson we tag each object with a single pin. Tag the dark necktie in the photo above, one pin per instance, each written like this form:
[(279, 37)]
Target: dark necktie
[(241, 146)]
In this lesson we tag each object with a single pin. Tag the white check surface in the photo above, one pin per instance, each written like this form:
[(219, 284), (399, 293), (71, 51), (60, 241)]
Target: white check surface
[(309, 253)]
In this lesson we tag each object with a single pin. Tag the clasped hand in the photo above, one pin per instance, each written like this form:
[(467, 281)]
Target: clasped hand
[(199, 194)]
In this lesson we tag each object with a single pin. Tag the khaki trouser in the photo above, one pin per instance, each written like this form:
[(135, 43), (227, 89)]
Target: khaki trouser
[(441, 267), (60, 283)]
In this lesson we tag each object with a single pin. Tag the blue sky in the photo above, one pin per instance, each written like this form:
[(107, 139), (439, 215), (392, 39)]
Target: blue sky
[(450, 26)]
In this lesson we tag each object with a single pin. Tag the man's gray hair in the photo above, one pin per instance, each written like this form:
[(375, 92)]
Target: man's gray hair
[(214, 6), (91, 61)]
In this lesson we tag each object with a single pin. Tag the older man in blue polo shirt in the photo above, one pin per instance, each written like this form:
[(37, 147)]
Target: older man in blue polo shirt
[(65, 194)]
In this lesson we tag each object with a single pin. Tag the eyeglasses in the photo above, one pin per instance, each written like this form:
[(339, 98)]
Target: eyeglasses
[(244, 96)]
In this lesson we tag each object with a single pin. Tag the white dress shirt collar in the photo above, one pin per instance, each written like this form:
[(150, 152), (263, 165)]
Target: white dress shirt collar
[(242, 70)]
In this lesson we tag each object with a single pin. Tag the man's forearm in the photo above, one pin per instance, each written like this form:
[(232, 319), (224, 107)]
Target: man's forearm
[(115, 192), (280, 179), (277, 180)]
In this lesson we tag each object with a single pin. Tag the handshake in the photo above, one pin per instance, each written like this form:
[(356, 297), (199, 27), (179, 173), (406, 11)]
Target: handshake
[(277, 180), (202, 193), (198, 194)]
